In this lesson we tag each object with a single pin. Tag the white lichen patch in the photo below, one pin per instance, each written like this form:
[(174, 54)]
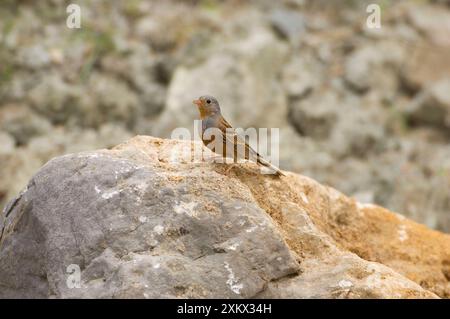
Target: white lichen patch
[(365, 205), (304, 198), (110, 194), (186, 208), (158, 229), (362, 206), (251, 229), (334, 194), (143, 219), (107, 194), (125, 168), (233, 246), (140, 187), (92, 155), (345, 284), (232, 281), (402, 233), (264, 223)]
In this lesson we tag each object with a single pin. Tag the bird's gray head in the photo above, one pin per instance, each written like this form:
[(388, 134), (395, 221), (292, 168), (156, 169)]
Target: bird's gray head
[(207, 105)]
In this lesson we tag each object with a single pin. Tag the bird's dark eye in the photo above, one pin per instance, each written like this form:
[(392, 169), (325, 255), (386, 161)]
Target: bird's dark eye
[(208, 101)]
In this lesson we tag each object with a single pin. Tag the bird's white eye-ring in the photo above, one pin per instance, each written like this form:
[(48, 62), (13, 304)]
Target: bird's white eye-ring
[(208, 101)]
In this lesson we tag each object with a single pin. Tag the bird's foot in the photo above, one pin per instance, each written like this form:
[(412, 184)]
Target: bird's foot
[(230, 167), (219, 159), (214, 159)]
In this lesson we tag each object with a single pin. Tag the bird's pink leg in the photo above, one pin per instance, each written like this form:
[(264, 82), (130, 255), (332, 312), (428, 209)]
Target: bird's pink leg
[(229, 169), (214, 159)]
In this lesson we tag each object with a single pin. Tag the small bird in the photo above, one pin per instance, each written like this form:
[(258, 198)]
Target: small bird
[(211, 117)]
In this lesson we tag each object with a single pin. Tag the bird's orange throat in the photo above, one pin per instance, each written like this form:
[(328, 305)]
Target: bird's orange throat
[(204, 113)]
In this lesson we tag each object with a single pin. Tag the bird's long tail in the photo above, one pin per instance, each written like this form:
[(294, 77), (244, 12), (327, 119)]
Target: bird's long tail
[(269, 165)]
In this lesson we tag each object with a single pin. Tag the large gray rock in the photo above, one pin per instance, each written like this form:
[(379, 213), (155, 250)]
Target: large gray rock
[(102, 99), (139, 221), (425, 63), (137, 232), (22, 123), (433, 21), (375, 66), (301, 75), (288, 24), (7, 142), (432, 106), (347, 124), (144, 72), (316, 116)]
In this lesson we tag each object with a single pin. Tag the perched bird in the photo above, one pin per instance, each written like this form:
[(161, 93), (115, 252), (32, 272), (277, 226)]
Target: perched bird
[(231, 142)]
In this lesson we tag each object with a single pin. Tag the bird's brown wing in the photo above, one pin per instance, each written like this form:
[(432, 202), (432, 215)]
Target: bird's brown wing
[(223, 124), (241, 149), (235, 144)]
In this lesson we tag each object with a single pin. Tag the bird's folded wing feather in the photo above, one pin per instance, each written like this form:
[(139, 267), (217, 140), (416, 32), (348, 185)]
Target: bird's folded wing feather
[(234, 141)]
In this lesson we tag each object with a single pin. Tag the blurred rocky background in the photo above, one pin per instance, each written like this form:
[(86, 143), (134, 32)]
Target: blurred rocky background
[(366, 111)]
